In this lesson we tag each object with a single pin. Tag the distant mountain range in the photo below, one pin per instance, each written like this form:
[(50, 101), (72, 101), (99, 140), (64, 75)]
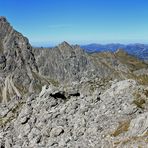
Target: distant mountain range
[(138, 50)]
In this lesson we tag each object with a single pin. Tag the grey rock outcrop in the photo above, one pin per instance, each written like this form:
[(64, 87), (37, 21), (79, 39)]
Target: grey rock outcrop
[(64, 97), (80, 121), (64, 62), (17, 63), (23, 69)]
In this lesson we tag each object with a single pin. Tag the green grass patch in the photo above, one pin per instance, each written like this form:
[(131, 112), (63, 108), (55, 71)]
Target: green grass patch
[(122, 127), (7, 119), (139, 100)]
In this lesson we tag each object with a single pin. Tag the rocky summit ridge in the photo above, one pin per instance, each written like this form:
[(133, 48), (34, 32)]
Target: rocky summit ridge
[(64, 97)]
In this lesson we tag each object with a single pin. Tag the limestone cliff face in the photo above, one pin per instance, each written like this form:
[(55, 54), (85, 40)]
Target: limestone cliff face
[(24, 69), (67, 63), (63, 63), (15, 47), (16, 61), (78, 105)]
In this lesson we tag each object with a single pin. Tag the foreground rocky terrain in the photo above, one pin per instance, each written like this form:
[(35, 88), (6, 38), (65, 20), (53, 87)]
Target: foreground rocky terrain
[(64, 97), (66, 117)]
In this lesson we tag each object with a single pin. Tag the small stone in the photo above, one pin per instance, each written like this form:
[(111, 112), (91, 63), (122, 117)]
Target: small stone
[(56, 131)]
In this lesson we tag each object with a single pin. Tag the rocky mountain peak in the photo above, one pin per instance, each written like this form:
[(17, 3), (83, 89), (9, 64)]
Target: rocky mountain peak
[(121, 51), (4, 25), (14, 46), (16, 61), (64, 43), (3, 19), (64, 97), (65, 48)]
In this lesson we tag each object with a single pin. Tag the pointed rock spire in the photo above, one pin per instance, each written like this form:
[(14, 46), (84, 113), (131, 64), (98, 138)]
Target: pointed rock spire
[(3, 19)]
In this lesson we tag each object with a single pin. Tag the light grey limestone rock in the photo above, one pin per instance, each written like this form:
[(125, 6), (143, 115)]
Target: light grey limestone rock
[(82, 101), (80, 121), (16, 62), (56, 131), (139, 125)]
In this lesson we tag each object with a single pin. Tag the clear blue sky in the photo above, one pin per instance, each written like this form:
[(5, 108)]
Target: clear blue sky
[(78, 21)]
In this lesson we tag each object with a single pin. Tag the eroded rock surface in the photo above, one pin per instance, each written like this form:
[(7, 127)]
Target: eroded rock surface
[(80, 121), (17, 63), (64, 97)]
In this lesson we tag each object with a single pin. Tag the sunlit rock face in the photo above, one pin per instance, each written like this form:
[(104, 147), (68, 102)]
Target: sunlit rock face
[(16, 61), (71, 117), (65, 97), (64, 62)]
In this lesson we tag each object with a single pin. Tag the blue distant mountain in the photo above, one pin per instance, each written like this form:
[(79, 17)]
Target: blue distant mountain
[(138, 50)]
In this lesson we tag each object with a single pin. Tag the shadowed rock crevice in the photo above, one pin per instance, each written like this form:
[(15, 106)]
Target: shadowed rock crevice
[(58, 95), (77, 94)]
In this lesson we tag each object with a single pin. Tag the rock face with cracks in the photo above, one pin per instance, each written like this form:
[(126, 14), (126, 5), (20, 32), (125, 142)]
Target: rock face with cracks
[(17, 62), (65, 97), (96, 120)]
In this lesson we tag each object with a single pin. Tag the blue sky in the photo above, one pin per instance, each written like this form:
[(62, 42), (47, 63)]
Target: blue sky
[(47, 22)]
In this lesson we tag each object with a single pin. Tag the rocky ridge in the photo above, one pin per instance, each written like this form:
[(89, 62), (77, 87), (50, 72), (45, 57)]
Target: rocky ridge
[(60, 117), (17, 63), (65, 97)]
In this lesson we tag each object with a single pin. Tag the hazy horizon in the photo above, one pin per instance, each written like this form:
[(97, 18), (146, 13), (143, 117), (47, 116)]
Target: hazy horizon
[(48, 23), (49, 44)]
